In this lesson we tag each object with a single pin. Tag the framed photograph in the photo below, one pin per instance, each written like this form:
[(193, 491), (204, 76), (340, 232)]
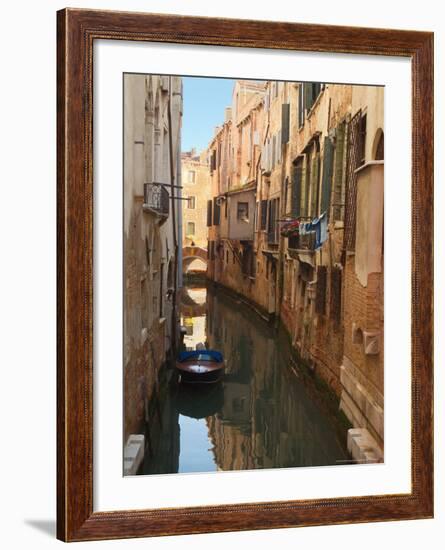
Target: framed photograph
[(245, 229)]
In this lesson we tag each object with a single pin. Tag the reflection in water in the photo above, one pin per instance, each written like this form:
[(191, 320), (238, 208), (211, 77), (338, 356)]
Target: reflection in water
[(260, 416)]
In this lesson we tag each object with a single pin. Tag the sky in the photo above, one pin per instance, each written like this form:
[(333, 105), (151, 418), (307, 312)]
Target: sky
[(204, 102)]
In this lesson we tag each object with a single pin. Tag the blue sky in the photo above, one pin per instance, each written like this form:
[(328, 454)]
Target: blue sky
[(204, 102)]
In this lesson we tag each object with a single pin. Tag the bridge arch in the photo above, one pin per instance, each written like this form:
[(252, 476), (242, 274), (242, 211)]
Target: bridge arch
[(192, 253)]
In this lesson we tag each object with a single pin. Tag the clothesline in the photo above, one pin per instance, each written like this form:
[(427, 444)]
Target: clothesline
[(318, 225)]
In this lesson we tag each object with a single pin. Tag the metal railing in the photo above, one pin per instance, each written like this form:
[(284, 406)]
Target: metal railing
[(157, 198), (302, 242)]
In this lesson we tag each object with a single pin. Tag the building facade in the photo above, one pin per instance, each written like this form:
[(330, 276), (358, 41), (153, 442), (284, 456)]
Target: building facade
[(295, 226), (196, 192), (152, 232)]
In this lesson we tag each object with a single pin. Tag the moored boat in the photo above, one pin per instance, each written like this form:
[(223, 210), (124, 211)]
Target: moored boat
[(204, 366)]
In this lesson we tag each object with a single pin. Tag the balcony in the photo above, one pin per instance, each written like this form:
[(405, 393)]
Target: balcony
[(156, 199), (302, 242)]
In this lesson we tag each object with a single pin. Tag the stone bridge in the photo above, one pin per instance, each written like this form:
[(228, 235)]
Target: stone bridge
[(190, 253)]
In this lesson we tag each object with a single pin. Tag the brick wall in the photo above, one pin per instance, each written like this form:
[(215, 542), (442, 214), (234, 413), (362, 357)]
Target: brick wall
[(363, 307)]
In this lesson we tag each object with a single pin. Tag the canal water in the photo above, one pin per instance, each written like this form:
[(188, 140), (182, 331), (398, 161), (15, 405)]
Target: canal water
[(267, 412)]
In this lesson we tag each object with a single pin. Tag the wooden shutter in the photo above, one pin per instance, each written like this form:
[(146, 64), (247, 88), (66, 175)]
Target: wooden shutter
[(216, 212), (285, 114), (328, 158), (209, 213), (307, 96), (297, 173), (301, 105), (315, 184), (263, 214), (320, 295)]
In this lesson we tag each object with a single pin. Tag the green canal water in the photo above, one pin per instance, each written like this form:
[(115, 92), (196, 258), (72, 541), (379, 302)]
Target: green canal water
[(267, 412)]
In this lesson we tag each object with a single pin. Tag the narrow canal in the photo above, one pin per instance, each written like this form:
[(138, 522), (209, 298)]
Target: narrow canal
[(268, 412)]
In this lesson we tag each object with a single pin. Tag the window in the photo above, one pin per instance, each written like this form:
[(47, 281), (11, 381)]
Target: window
[(191, 202), (273, 229), (242, 213), (191, 176), (308, 94), (190, 229)]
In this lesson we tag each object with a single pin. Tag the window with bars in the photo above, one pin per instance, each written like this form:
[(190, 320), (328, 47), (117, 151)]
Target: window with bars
[(354, 158)]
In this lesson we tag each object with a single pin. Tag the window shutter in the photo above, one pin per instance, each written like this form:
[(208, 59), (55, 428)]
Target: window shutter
[(301, 105), (328, 162), (279, 147), (216, 212), (307, 95), (320, 295), (315, 184), (263, 214), (285, 114), (209, 213), (297, 173)]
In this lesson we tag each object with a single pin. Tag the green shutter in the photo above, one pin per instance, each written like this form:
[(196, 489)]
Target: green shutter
[(314, 183), (297, 173), (307, 96), (285, 113), (328, 158)]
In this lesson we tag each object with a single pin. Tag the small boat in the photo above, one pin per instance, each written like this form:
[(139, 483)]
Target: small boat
[(203, 366)]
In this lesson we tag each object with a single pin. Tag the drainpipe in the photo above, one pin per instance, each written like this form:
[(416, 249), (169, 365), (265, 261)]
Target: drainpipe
[(173, 205)]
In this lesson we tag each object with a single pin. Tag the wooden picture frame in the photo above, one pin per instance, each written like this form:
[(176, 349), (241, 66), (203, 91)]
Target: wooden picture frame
[(76, 32)]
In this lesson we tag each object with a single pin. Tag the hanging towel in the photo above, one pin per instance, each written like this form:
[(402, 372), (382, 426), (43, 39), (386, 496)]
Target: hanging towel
[(320, 225)]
